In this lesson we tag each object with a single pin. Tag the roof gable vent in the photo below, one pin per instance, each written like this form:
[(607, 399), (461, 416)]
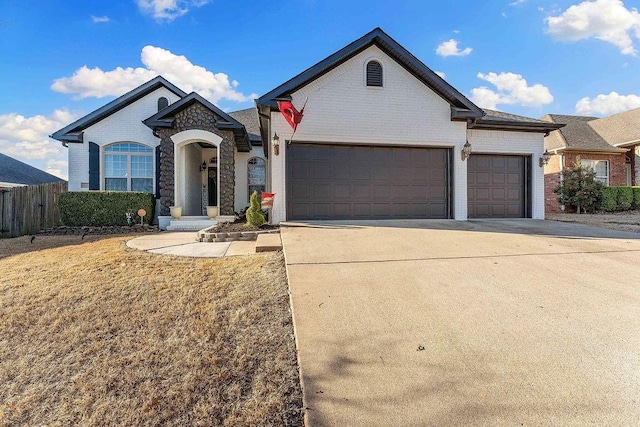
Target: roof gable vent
[(374, 74)]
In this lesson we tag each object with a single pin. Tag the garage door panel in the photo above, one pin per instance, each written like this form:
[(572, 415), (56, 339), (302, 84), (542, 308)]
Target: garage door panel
[(497, 186), (367, 182)]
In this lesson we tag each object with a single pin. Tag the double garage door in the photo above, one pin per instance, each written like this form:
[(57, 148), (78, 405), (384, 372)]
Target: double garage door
[(371, 182)]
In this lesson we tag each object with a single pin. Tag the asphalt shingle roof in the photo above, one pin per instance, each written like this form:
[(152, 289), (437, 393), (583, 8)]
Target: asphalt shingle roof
[(577, 134), (619, 128), (16, 172), (249, 118), (499, 116)]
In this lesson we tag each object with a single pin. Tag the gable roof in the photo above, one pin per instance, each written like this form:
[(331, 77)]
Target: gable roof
[(249, 118), (620, 130), (577, 135), (392, 48), (74, 131), (16, 172), (165, 119)]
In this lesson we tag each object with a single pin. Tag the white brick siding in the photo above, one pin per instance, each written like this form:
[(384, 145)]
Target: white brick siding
[(342, 109), (124, 125)]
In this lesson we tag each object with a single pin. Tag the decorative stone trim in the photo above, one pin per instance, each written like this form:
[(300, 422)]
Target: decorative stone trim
[(207, 236)]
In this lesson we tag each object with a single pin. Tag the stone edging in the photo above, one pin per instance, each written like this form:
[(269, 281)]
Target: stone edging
[(206, 236)]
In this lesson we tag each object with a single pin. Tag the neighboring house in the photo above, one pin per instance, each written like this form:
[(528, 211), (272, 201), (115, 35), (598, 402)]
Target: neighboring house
[(14, 173), (610, 145), (382, 138)]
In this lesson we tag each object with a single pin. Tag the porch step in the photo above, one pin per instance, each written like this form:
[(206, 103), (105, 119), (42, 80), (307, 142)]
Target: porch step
[(191, 223)]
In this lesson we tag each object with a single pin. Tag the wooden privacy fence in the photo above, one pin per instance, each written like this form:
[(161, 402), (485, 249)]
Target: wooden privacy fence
[(27, 210)]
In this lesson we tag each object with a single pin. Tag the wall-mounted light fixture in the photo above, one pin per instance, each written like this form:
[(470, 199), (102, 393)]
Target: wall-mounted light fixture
[(545, 158), (466, 151), (276, 143), (203, 167)]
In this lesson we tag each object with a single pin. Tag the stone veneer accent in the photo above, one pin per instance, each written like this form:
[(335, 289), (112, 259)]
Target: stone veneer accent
[(197, 116)]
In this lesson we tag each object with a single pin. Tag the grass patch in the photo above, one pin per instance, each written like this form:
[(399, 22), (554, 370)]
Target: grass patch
[(92, 333)]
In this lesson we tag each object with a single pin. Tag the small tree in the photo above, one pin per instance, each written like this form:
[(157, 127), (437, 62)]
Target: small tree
[(255, 217), (579, 188)]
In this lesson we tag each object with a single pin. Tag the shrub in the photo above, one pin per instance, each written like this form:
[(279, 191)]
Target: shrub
[(609, 199), (255, 217), (103, 208), (636, 197), (625, 198), (579, 189)]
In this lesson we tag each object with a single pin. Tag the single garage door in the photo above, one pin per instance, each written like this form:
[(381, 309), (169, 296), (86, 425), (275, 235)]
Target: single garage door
[(367, 182), (498, 186)]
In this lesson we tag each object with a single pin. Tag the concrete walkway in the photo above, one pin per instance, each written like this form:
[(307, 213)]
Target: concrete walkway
[(184, 244), (480, 323)]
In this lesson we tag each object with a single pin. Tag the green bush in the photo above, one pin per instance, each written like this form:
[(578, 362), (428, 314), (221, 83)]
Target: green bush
[(100, 208), (609, 199), (625, 198), (579, 189), (636, 197)]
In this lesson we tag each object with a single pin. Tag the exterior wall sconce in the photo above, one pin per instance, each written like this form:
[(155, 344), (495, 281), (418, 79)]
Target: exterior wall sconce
[(545, 158), (466, 151), (276, 143), (203, 167)]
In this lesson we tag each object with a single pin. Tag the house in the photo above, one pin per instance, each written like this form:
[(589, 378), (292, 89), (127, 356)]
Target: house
[(610, 145), (14, 173), (383, 137)]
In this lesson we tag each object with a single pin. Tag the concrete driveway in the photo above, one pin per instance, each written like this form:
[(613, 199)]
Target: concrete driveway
[(444, 323)]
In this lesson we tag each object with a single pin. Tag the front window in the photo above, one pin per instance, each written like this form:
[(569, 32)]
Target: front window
[(128, 167), (257, 171), (601, 168)]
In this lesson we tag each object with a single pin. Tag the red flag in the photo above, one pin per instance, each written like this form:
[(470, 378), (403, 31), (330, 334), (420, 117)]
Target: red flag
[(267, 200), (291, 115)]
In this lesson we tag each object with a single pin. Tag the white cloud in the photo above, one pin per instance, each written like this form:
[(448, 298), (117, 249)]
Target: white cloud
[(517, 2), (450, 48), (27, 139), (168, 10), (511, 89), (94, 82), (99, 19), (441, 74), (604, 105), (606, 20)]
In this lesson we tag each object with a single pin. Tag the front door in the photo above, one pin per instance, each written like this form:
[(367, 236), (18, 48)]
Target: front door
[(212, 184)]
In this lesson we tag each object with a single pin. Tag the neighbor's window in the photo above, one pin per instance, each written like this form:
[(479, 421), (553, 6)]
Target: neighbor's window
[(257, 175), (601, 167), (128, 167), (374, 74)]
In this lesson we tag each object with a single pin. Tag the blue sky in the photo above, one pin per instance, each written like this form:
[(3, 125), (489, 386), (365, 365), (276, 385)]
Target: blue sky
[(63, 59)]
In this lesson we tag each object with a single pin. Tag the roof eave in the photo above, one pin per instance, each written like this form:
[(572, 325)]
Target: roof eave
[(613, 150), (116, 105), (545, 128)]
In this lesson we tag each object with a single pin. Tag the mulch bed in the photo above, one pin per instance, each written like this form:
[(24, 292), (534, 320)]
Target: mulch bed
[(239, 226), (106, 230)]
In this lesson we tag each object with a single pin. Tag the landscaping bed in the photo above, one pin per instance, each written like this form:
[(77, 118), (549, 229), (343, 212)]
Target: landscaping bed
[(233, 231), (104, 230), (623, 221)]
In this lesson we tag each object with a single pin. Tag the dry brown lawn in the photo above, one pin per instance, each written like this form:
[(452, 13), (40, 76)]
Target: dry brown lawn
[(93, 333), (623, 221)]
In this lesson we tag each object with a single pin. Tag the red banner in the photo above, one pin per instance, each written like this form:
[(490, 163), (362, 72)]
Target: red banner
[(267, 200)]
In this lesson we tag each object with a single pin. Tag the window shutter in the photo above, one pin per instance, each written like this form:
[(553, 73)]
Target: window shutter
[(94, 166), (158, 172), (374, 74)]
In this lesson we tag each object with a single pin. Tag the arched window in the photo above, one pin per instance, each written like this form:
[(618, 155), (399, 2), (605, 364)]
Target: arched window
[(162, 103), (257, 175), (128, 166), (374, 74)]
